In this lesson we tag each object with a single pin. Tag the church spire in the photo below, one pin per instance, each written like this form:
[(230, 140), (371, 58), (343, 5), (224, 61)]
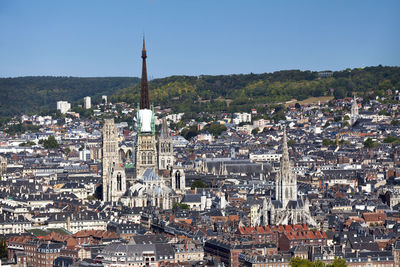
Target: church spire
[(285, 150), (144, 92)]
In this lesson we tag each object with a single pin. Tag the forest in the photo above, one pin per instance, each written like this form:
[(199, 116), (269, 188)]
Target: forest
[(230, 93), (241, 92), (24, 95)]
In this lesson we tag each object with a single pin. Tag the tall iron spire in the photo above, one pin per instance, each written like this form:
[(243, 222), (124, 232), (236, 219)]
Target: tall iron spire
[(144, 92)]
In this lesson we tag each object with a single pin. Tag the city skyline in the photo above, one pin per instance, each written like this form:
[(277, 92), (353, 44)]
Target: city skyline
[(102, 39)]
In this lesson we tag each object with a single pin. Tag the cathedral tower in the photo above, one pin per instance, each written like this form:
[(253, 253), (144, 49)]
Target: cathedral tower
[(354, 111), (165, 149), (286, 182), (146, 152), (114, 179)]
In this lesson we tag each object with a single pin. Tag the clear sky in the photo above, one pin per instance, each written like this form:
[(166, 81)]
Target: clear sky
[(103, 38)]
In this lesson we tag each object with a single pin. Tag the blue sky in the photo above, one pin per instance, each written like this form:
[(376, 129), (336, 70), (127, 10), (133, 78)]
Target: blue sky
[(103, 38)]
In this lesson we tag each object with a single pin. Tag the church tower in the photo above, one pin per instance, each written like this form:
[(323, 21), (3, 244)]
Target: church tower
[(165, 149), (146, 151), (114, 179), (354, 111), (286, 182)]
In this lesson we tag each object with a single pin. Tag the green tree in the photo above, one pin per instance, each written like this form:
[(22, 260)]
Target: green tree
[(384, 112), (299, 262), (182, 206), (390, 139), (291, 142), (90, 198), (369, 143), (50, 143), (255, 131), (215, 128), (395, 122), (3, 249), (327, 142), (339, 93), (190, 132), (67, 150), (198, 184), (337, 262)]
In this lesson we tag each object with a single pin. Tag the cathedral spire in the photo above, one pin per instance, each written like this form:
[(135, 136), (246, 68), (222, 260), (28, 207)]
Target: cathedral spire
[(144, 92), (285, 150)]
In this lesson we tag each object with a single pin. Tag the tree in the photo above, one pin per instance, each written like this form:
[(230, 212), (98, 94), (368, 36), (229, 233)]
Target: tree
[(3, 249), (90, 198), (390, 139), (338, 118), (50, 143), (384, 112), (67, 151), (337, 262), (291, 142), (189, 133), (339, 93), (327, 142), (182, 206), (395, 123), (215, 128), (198, 184), (255, 131), (299, 262), (369, 143)]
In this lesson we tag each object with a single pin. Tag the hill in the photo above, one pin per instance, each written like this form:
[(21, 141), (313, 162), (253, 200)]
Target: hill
[(34, 94), (237, 92), (244, 91)]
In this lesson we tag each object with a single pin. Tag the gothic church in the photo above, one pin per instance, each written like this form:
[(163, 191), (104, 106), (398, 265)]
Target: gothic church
[(287, 207), (158, 182)]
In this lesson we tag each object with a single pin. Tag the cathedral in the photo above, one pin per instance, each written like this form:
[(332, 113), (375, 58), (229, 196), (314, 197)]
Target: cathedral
[(287, 207), (157, 182)]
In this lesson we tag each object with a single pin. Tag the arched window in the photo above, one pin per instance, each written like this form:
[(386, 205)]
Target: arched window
[(149, 158), (143, 158)]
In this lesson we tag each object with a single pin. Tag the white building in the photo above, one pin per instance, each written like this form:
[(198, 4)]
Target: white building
[(266, 157), (87, 102), (63, 106), (175, 118), (104, 99), (241, 117)]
